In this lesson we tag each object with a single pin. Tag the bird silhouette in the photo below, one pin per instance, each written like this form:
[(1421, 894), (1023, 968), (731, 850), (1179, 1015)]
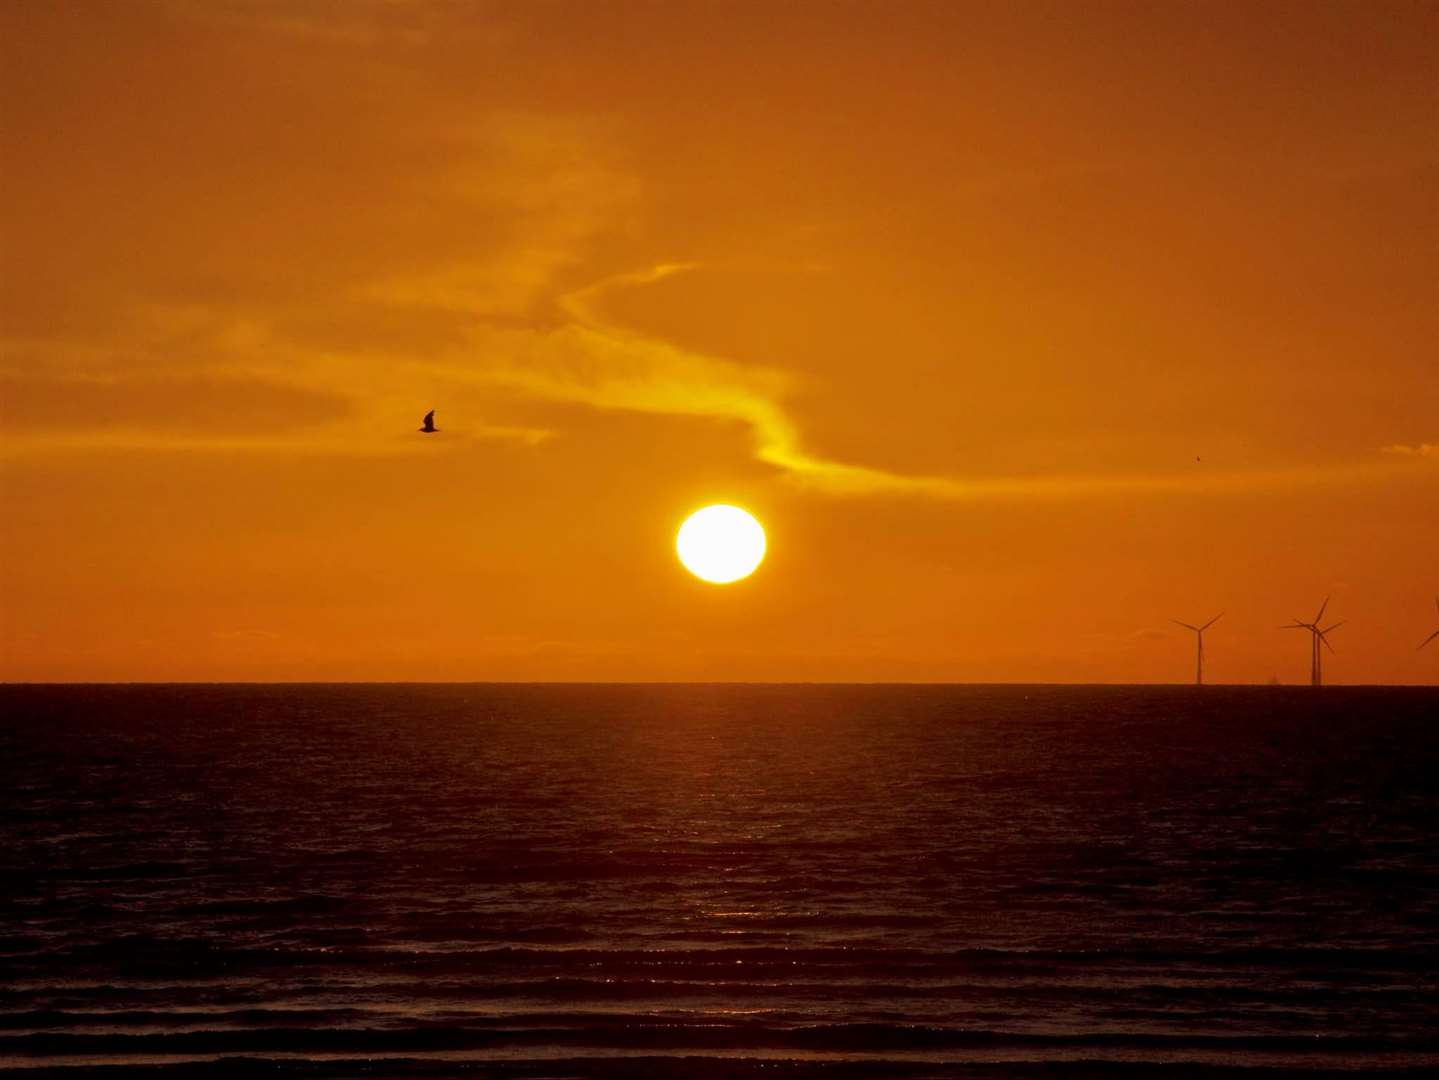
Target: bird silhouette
[(429, 428)]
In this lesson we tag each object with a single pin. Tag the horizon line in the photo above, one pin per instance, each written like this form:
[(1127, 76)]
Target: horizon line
[(709, 682)]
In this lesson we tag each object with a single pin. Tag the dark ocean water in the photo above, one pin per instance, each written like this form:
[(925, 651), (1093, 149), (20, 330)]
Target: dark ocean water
[(715, 880)]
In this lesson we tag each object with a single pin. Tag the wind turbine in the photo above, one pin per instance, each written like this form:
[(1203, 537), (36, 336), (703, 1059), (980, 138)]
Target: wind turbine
[(1199, 645), (1316, 666), (1434, 635)]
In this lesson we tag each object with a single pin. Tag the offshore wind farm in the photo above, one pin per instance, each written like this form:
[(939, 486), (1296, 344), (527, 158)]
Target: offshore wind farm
[(1319, 640)]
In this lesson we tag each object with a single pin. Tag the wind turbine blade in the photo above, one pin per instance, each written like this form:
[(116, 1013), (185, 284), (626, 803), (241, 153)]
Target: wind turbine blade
[(1436, 603), (1212, 621), (1321, 610), (1326, 642), (1427, 640), (1185, 625), (1336, 626), (1295, 626)]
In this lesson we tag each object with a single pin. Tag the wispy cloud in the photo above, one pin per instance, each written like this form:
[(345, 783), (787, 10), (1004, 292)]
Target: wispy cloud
[(1423, 450), (254, 392), (350, 370), (532, 196), (591, 360), (597, 362), (324, 443), (550, 181)]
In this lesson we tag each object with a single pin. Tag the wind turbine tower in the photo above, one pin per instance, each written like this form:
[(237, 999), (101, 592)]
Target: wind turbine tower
[(1199, 645), (1434, 635), (1317, 637)]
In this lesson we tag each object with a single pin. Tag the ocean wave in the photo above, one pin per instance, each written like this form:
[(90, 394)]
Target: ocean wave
[(200, 957), (632, 1032)]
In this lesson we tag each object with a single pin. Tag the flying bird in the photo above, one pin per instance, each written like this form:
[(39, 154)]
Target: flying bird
[(429, 428)]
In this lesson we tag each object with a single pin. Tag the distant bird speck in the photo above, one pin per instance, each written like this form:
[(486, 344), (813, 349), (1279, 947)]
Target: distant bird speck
[(429, 428)]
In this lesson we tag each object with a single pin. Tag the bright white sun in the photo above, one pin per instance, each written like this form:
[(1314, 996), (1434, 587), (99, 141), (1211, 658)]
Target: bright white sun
[(720, 544)]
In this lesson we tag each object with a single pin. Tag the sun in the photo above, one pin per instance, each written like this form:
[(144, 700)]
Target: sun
[(720, 544)]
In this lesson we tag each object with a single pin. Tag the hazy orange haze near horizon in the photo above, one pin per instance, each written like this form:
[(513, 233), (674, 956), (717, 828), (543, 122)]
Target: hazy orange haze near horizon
[(951, 296)]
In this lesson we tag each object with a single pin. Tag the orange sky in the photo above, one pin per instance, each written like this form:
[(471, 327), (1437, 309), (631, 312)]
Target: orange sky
[(950, 295)]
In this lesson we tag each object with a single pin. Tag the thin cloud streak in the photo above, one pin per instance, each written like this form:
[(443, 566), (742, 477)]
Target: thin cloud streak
[(1423, 450), (594, 362), (334, 443)]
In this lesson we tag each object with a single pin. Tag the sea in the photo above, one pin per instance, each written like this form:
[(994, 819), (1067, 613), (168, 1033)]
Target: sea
[(719, 881)]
